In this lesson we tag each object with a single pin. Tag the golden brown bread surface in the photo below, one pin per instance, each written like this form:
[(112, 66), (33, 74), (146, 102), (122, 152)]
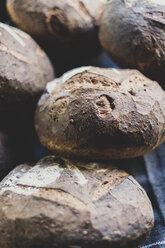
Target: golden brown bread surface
[(61, 202), (133, 33), (24, 67), (97, 113)]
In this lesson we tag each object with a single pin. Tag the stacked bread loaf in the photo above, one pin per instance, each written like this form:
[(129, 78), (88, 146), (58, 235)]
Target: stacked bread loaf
[(85, 118)]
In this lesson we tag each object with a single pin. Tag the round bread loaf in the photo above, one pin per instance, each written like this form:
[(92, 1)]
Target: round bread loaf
[(133, 33), (59, 202), (65, 21), (24, 67), (96, 113)]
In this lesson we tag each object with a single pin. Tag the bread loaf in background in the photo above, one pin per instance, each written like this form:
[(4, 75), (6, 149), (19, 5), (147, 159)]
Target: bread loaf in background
[(24, 68), (133, 33), (65, 21)]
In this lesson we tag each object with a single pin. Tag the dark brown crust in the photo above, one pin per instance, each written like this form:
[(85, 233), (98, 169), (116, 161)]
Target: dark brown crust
[(133, 33), (64, 20), (102, 114), (93, 205), (24, 67)]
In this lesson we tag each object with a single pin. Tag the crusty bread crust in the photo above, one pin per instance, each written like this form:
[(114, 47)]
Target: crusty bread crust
[(65, 21), (133, 33), (101, 114), (59, 202), (24, 67)]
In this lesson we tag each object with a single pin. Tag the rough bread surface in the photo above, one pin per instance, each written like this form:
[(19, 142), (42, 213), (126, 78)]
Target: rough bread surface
[(24, 67), (101, 114), (133, 33), (62, 20), (60, 202)]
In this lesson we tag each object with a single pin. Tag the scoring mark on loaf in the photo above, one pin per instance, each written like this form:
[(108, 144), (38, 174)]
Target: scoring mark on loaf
[(83, 7), (10, 184), (81, 180), (57, 21), (15, 54), (13, 33), (41, 176), (111, 181), (21, 33)]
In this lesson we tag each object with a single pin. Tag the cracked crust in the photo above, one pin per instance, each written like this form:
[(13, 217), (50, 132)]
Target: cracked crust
[(97, 113), (24, 67), (63, 20), (133, 33), (59, 202)]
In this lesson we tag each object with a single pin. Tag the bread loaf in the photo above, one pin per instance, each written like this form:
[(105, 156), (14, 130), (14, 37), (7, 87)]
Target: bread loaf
[(64, 21), (101, 114), (133, 33), (24, 67), (59, 203)]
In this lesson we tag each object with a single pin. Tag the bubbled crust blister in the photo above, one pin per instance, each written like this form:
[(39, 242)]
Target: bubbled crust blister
[(101, 114), (61, 202)]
